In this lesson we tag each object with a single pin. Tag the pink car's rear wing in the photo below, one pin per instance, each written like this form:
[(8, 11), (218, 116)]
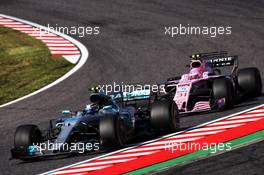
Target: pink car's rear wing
[(218, 59)]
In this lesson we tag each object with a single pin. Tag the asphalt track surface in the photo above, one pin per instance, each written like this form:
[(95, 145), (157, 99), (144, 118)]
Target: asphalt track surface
[(132, 47)]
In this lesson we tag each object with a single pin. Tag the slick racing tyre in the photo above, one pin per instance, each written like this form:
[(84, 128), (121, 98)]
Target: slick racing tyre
[(249, 81), (112, 131), (26, 135), (164, 115), (223, 88)]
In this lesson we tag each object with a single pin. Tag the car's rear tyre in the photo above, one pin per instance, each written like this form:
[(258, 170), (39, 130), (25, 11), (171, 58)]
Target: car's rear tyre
[(249, 81), (223, 88), (26, 135), (164, 115), (112, 131)]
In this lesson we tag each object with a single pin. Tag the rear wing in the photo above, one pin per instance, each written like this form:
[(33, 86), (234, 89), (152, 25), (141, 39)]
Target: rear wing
[(138, 98), (131, 96), (223, 61), (136, 95), (217, 59)]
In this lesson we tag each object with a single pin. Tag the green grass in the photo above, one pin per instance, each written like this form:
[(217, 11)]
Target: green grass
[(26, 65)]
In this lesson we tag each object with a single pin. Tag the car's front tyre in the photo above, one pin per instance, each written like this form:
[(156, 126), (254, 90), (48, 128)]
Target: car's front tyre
[(223, 89), (164, 115), (27, 135)]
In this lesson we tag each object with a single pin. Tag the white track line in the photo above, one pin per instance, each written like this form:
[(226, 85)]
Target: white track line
[(104, 162), (174, 141), (21, 25), (163, 145), (55, 41), (247, 116), (6, 20), (215, 128), (81, 170), (57, 38), (78, 173), (61, 48), (151, 141), (147, 148), (59, 44), (65, 52), (256, 111), (25, 29), (81, 62), (10, 23), (40, 34), (128, 155), (197, 134), (235, 121)]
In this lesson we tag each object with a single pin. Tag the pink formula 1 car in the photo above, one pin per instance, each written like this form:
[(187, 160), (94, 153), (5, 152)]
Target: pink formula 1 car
[(205, 87)]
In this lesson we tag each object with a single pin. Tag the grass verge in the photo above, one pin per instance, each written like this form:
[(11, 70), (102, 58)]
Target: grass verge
[(26, 65)]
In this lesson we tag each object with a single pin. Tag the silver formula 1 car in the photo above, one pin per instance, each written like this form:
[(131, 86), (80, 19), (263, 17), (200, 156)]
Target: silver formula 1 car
[(109, 121)]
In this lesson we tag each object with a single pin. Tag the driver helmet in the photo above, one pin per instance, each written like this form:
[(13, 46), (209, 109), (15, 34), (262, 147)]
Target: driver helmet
[(197, 69)]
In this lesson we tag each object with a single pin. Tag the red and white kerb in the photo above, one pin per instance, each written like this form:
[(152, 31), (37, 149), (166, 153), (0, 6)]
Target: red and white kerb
[(58, 45)]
